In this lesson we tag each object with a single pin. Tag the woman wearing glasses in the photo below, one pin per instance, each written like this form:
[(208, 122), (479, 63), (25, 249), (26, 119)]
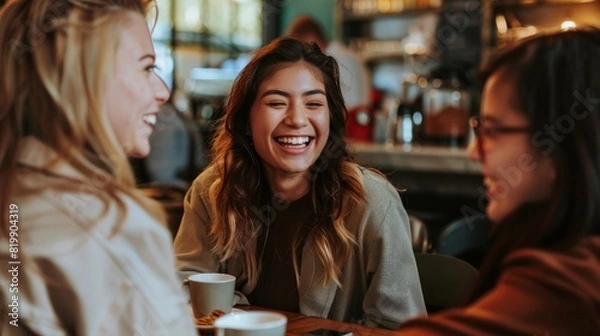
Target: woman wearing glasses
[(538, 140)]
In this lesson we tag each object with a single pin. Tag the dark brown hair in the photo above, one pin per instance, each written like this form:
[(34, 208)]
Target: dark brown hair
[(336, 182)]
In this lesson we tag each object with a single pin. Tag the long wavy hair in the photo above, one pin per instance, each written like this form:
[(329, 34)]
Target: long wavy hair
[(241, 192), (54, 59), (556, 80)]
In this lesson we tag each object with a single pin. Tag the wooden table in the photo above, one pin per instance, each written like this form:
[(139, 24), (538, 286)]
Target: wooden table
[(298, 327), (299, 324)]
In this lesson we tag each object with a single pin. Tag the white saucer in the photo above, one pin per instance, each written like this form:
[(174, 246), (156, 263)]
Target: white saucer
[(210, 327)]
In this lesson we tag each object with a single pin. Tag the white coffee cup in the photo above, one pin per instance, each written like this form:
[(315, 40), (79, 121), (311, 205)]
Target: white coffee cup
[(211, 291), (253, 323)]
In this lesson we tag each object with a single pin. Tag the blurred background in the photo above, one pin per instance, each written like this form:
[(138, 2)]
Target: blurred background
[(422, 57)]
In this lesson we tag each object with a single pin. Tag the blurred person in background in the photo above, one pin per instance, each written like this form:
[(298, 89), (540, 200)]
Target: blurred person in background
[(176, 150), (354, 76), (538, 141), (78, 95), (284, 208)]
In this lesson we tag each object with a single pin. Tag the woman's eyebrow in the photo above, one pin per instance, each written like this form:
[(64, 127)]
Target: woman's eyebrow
[(491, 120), (287, 94), (152, 56), (313, 92), (275, 92)]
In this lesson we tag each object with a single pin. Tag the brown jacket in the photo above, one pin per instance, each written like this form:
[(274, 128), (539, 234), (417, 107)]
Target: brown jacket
[(539, 293)]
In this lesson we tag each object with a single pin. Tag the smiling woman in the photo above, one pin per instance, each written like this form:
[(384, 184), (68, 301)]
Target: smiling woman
[(542, 273), (289, 124), (284, 208), (135, 92), (78, 94)]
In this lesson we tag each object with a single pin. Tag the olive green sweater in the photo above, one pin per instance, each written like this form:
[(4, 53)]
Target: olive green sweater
[(380, 282)]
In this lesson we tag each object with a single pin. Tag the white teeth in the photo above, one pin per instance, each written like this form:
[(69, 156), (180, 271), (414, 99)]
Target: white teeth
[(149, 119), (293, 140)]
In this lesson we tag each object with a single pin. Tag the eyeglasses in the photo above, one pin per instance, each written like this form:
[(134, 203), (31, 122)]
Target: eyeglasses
[(482, 131)]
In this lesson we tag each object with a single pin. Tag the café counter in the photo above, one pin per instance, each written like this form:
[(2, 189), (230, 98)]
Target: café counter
[(423, 169)]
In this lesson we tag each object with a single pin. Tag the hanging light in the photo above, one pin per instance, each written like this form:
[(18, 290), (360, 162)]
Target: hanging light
[(568, 25)]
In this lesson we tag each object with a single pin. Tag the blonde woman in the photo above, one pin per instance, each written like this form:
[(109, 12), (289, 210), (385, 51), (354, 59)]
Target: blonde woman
[(284, 209), (87, 253)]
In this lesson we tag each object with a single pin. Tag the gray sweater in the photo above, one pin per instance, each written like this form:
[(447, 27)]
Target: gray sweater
[(380, 282)]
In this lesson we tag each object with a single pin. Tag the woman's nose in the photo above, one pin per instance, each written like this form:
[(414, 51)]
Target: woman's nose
[(296, 116), (161, 90), (473, 149)]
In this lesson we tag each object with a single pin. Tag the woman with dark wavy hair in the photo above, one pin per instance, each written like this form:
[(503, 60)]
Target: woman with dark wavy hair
[(538, 140), (284, 208)]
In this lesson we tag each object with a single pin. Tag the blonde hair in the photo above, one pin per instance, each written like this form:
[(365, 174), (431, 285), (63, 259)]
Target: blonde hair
[(336, 182), (53, 60)]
